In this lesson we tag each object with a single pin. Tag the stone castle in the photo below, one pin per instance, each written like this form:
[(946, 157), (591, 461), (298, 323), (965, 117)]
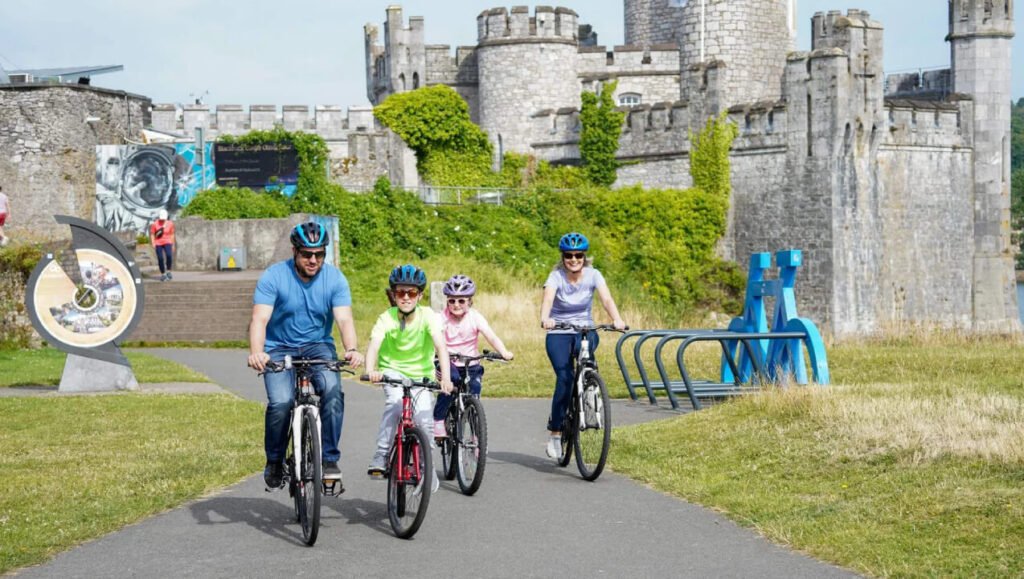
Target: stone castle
[(897, 188)]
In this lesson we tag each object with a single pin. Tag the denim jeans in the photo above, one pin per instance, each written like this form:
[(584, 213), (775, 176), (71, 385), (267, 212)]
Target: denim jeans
[(281, 395), (562, 351), (165, 257), (476, 374)]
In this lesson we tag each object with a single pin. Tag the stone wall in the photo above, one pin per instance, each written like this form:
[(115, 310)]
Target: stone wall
[(650, 22), (652, 72), (265, 240), (48, 148)]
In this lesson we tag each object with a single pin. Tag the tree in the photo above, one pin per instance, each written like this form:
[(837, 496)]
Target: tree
[(599, 136)]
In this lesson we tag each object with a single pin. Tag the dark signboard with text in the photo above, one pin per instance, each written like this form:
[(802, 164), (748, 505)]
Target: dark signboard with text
[(257, 166)]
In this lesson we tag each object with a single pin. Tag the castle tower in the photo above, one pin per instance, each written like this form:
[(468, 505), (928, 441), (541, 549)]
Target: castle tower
[(657, 22), (400, 65), (749, 38), (980, 32), (525, 64)]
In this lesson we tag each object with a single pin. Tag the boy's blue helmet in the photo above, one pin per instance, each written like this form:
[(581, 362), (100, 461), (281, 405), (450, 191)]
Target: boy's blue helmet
[(573, 242), (408, 274), (310, 234)]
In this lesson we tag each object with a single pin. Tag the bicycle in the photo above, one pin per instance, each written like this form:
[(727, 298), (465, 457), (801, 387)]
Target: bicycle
[(410, 471), (587, 430), (464, 450), (304, 476)]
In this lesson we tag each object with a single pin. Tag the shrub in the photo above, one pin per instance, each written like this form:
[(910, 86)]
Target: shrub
[(237, 203), (599, 136)]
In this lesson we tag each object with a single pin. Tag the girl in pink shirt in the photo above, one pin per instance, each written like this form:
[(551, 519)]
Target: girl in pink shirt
[(462, 328)]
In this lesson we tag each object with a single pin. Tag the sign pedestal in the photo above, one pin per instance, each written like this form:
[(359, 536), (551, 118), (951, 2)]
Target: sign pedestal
[(83, 374)]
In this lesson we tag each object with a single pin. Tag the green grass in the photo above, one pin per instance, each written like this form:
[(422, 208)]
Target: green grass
[(44, 367), (912, 465), (73, 469)]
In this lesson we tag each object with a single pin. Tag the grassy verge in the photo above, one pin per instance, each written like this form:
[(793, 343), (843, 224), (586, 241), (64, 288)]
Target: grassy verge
[(120, 459), (911, 466), (44, 367)]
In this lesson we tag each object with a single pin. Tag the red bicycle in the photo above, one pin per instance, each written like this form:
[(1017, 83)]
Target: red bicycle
[(410, 471)]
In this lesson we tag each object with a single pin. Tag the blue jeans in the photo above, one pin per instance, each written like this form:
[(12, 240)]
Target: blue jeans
[(281, 396), (562, 351), (476, 374), (165, 257)]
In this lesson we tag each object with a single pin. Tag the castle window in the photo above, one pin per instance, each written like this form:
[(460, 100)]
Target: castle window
[(401, 82), (415, 80), (628, 99), (965, 10), (771, 122)]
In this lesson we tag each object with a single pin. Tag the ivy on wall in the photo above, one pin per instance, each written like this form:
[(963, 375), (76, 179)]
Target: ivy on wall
[(709, 156), (434, 122), (599, 135)]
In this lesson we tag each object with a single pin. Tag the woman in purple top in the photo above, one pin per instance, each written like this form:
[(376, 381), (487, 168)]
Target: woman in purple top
[(568, 295)]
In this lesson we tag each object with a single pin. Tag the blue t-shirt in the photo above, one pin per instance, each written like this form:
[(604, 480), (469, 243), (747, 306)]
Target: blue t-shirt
[(302, 310), (573, 301)]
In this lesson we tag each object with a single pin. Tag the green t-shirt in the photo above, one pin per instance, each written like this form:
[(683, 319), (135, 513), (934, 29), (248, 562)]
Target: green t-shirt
[(408, 350)]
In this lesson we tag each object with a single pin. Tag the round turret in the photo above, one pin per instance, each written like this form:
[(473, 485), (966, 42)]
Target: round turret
[(653, 22), (750, 37), (526, 64)]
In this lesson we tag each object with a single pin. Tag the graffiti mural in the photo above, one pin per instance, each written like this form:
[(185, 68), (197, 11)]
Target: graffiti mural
[(134, 182)]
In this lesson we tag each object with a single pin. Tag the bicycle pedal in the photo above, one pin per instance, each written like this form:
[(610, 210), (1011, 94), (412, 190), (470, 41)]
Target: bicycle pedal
[(333, 487)]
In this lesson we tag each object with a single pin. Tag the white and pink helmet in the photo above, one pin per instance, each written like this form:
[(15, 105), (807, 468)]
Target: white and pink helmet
[(459, 285)]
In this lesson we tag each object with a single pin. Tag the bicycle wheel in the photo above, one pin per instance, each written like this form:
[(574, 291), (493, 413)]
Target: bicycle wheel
[(448, 450), (471, 445), (569, 430), (312, 479), (409, 495), (594, 436)]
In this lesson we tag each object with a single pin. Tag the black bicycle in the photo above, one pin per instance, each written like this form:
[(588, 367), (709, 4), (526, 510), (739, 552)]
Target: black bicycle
[(464, 450), (304, 469), (587, 430)]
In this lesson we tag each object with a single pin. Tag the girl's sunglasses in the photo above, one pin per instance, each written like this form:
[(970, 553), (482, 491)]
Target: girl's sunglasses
[(460, 301), (579, 255), (407, 293)]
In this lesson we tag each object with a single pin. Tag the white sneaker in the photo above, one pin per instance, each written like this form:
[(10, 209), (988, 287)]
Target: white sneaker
[(554, 447), (435, 484)]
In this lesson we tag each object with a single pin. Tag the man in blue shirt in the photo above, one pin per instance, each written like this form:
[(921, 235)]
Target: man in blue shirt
[(294, 305)]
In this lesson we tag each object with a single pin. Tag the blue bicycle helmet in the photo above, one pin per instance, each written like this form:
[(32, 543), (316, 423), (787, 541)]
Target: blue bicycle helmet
[(408, 274), (310, 234), (573, 242)]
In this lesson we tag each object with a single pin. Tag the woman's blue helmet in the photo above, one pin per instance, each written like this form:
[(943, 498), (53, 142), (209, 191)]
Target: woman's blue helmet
[(310, 234), (573, 242), (408, 274)]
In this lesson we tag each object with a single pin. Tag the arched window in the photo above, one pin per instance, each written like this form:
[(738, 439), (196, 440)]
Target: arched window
[(415, 80), (628, 99), (401, 82)]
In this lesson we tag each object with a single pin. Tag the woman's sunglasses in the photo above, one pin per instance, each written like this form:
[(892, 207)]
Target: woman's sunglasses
[(460, 301), (407, 293), (319, 255), (579, 255)]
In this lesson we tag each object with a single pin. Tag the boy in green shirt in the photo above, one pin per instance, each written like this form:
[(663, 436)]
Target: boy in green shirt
[(402, 345)]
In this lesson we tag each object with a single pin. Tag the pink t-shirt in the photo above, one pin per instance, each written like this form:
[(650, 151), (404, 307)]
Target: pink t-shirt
[(461, 336)]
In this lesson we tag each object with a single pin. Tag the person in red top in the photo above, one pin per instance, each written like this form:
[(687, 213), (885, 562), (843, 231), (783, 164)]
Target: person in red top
[(5, 212), (161, 232)]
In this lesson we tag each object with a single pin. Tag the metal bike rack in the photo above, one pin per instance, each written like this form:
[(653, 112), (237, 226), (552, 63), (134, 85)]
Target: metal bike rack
[(752, 353)]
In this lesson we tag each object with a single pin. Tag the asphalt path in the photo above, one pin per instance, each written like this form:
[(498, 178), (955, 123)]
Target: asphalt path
[(529, 519)]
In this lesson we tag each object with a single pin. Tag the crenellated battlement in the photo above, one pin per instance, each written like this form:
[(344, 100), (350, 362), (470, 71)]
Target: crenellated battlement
[(328, 121), (987, 18), (833, 29), (927, 84), (445, 68), (503, 26), (598, 62), (926, 123)]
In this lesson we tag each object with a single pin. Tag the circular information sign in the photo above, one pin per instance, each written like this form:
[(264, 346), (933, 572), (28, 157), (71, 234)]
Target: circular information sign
[(86, 315)]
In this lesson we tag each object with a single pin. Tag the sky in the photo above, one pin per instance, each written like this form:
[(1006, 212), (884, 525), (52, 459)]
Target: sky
[(312, 51)]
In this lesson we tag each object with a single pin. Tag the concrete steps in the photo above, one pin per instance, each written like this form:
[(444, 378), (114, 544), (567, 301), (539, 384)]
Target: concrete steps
[(197, 307)]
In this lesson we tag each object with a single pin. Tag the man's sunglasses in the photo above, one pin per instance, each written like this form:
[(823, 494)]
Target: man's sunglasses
[(460, 301), (407, 293), (579, 255), (320, 255)]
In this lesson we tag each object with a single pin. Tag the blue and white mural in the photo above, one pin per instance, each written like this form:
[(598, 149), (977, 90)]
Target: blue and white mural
[(134, 182)]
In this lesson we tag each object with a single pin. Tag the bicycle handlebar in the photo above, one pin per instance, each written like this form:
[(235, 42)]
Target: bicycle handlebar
[(487, 355), (405, 382), (288, 363), (580, 328)]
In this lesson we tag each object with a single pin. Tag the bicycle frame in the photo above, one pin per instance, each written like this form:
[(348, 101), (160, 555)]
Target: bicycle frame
[(305, 399), (405, 422)]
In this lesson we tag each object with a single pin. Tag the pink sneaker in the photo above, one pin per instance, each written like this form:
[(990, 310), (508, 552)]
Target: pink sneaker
[(439, 429)]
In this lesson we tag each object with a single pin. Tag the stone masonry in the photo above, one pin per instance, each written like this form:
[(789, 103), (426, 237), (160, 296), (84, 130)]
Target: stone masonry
[(897, 188)]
